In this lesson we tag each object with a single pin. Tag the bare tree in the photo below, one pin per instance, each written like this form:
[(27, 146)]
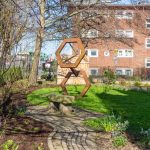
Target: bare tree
[(38, 44), (12, 28)]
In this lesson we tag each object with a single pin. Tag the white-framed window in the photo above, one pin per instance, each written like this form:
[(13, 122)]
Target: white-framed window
[(91, 33), (147, 42), (93, 71), (124, 71), (93, 52), (148, 23), (124, 33), (147, 63), (125, 53), (124, 14)]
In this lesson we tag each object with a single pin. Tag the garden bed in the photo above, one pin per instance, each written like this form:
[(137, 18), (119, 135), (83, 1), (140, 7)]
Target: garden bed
[(26, 132)]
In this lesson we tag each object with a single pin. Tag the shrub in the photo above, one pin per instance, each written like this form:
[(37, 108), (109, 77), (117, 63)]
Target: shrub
[(2, 81), (9, 145), (119, 141), (137, 83), (11, 75), (109, 76), (123, 82), (22, 84), (44, 76)]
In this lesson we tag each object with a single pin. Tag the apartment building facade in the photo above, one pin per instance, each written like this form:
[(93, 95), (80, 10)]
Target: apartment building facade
[(116, 37)]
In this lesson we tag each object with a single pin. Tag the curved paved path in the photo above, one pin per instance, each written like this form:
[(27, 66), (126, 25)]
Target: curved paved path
[(68, 133)]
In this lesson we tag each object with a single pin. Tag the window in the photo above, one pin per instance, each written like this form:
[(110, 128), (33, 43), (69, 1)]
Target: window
[(128, 72), (92, 33), (147, 43), (124, 14), (119, 72), (124, 71), (120, 53), (147, 62), (93, 71), (124, 33), (148, 23), (125, 53), (92, 52)]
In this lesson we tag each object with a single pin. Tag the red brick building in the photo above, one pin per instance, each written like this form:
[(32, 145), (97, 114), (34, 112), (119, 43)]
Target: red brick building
[(116, 37)]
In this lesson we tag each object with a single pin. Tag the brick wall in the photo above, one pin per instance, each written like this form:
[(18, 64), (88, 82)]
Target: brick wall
[(107, 47)]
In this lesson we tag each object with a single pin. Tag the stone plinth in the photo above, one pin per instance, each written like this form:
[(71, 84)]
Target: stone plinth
[(61, 103)]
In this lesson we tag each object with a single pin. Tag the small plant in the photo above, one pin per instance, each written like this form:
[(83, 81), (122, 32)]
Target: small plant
[(26, 122), (146, 132), (145, 140), (36, 129), (119, 141), (109, 123), (20, 111), (113, 124), (9, 145), (123, 82), (40, 147), (44, 76), (146, 84), (137, 83)]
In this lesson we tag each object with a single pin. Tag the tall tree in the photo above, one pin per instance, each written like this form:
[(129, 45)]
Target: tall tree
[(38, 45)]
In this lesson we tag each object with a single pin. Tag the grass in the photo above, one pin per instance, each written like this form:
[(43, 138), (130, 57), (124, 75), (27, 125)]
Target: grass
[(133, 106)]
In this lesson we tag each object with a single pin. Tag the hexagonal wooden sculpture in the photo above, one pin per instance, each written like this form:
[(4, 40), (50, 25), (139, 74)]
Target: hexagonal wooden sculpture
[(72, 66)]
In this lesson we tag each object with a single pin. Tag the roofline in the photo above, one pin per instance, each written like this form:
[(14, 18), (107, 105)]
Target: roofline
[(117, 6)]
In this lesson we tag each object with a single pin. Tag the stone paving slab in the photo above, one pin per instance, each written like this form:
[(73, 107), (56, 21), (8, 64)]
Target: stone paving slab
[(68, 133)]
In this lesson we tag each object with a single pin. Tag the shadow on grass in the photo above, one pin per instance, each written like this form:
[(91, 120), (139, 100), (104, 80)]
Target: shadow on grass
[(131, 105)]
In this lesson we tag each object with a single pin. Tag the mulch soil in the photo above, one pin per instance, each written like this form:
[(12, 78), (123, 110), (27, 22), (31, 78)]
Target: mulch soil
[(26, 132)]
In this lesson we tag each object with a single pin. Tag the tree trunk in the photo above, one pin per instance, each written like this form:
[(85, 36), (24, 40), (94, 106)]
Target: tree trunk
[(39, 40)]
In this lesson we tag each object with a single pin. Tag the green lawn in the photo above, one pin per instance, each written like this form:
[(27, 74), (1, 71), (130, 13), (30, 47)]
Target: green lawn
[(133, 106)]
